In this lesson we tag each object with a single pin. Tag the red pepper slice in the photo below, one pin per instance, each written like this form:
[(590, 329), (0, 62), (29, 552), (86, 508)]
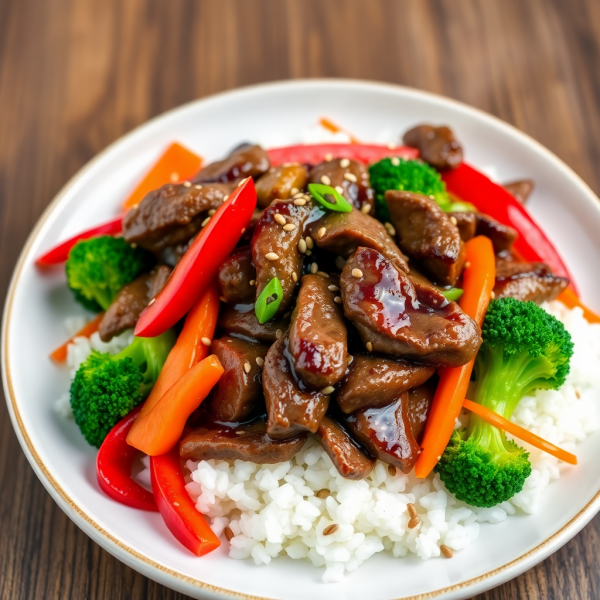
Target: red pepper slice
[(490, 198), (316, 153), (176, 507), (113, 467), (60, 253), (200, 263)]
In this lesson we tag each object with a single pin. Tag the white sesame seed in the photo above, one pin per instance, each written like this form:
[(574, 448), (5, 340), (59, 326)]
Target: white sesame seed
[(152, 302), (323, 274), (369, 346), (366, 209), (205, 222), (247, 367), (302, 245), (357, 273), (211, 212), (242, 182), (344, 163), (325, 180), (309, 242), (350, 359), (243, 231), (329, 157), (279, 218), (390, 229), (252, 282), (260, 361), (328, 390), (223, 299), (206, 341), (300, 202), (314, 268), (395, 161), (187, 184), (308, 252), (294, 276), (272, 256), (337, 300), (339, 189), (289, 227), (298, 194), (453, 220), (333, 288), (278, 333), (493, 295), (294, 191), (225, 197), (322, 231), (350, 177), (198, 187)]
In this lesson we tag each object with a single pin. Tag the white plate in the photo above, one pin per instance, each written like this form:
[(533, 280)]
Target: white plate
[(37, 304)]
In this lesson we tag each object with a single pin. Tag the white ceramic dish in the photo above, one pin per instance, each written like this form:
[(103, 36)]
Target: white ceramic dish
[(37, 304)]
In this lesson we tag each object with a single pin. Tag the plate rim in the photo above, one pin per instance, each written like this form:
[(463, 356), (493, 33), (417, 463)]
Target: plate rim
[(160, 572)]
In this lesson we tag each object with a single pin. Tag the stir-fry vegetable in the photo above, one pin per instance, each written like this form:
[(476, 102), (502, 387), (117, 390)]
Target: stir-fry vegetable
[(453, 294), (113, 467), (329, 197), (570, 300), (60, 354), (268, 301)]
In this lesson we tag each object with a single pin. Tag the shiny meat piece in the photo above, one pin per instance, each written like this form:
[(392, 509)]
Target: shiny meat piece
[(345, 232), (402, 318), (131, 300), (172, 214), (318, 338), (235, 275), (386, 433), (238, 394), (349, 459), (240, 320), (466, 223), (244, 442), (427, 234), (352, 178), (520, 189), (291, 408), (419, 404), (279, 182), (527, 281), (374, 381), (437, 146), (502, 236), (244, 161), (275, 251)]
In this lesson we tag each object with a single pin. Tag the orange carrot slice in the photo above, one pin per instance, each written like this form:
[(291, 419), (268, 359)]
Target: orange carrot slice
[(478, 283), (535, 440), (175, 165), (570, 300), (331, 126), (60, 354)]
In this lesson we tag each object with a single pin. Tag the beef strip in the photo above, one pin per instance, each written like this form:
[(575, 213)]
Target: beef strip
[(238, 394), (520, 189), (291, 408), (427, 234), (240, 320), (235, 276), (402, 318), (386, 433), (318, 340), (172, 214), (437, 146), (470, 224), (245, 442), (131, 300), (271, 240), (348, 458), (352, 178), (345, 232), (466, 223), (420, 399), (279, 182), (245, 161), (374, 381), (527, 281)]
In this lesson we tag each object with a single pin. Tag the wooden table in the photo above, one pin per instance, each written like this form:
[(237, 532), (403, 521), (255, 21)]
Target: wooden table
[(75, 75)]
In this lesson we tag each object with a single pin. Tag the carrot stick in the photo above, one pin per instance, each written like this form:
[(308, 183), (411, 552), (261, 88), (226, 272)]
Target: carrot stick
[(570, 300), (175, 165), (478, 282), (535, 440), (60, 354), (157, 431), (331, 126), (199, 324)]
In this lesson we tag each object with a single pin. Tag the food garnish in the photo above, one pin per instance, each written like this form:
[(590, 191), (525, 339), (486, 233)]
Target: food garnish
[(268, 301)]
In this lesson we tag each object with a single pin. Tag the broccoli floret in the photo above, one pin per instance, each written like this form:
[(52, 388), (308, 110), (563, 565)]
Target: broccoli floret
[(107, 387), (524, 349), (97, 268), (410, 176)]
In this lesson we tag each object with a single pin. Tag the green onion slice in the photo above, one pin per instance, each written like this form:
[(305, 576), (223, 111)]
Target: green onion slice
[(268, 301), (329, 197), (452, 294)]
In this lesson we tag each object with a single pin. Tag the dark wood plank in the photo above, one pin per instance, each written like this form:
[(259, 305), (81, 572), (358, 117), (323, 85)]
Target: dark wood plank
[(77, 74)]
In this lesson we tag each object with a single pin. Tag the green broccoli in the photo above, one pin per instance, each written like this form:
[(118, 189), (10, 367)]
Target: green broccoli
[(97, 268), (410, 176), (524, 349), (107, 387)]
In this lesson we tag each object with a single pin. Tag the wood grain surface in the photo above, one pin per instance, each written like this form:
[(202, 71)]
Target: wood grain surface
[(75, 75)]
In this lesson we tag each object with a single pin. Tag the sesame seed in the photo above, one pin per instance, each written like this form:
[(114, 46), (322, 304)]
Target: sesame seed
[(325, 180), (187, 184), (369, 346), (339, 189), (289, 227), (205, 222), (279, 218), (322, 231), (344, 163), (323, 274), (174, 176), (294, 191), (412, 510), (225, 197), (357, 273), (223, 299), (314, 268), (340, 262), (453, 220), (333, 288), (308, 252), (278, 333), (337, 300), (323, 493), (302, 245), (328, 390), (260, 362), (243, 231), (300, 202), (247, 367), (211, 212), (391, 145), (206, 341), (365, 209), (252, 282), (272, 256), (493, 294), (390, 229), (414, 522), (309, 242), (298, 194), (467, 265), (392, 470), (578, 394), (242, 182), (331, 529), (228, 533), (446, 551), (395, 161), (329, 157), (294, 277), (350, 359), (198, 187), (350, 177), (152, 302)]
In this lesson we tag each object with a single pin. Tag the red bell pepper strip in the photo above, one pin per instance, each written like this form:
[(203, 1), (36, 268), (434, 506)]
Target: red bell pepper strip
[(198, 267), (492, 199), (176, 507), (60, 253), (316, 153), (113, 467)]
